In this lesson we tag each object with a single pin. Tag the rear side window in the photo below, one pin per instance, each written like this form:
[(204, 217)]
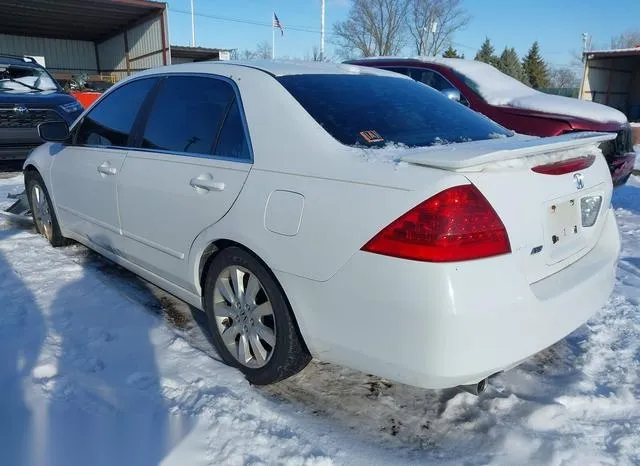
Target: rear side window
[(187, 115), (367, 110), (433, 79), (232, 141), (110, 122)]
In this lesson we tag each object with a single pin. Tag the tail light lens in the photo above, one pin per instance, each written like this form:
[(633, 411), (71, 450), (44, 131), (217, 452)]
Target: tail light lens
[(457, 224), (565, 166)]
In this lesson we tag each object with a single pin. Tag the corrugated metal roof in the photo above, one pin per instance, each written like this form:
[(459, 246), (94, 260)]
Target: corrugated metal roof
[(628, 52), (91, 20), (197, 53)]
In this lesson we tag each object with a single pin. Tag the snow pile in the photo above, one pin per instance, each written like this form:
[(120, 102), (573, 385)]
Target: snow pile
[(500, 89), (98, 368)]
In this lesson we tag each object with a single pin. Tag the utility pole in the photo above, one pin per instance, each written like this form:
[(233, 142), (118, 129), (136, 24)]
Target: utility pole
[(321, 30), (193, 26), (585, 38)]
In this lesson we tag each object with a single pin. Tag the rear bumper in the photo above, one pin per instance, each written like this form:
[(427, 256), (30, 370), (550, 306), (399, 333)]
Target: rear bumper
[(442, 325), (621, 167)]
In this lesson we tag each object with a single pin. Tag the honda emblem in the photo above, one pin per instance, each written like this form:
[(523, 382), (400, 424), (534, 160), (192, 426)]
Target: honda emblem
[(579, 179)]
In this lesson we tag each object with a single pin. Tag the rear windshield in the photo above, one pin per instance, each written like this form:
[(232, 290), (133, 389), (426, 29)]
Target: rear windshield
[(379, 110)]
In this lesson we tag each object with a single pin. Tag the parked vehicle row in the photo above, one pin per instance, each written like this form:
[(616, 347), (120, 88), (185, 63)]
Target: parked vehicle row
[(314, 210)]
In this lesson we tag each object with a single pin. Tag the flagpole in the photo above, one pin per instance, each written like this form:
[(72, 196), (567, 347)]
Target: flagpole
[(322, 31), (193, 26), (273, 37)]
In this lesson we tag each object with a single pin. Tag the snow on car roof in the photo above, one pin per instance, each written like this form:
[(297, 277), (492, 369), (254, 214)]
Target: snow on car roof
[(499, 89), (287, 68)]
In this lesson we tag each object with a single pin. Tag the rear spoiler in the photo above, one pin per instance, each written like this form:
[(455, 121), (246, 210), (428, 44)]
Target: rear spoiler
[(473, 156)]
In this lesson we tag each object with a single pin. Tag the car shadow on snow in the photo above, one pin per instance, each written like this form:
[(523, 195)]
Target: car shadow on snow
[(99, 379), (427, 424), (22, 333)]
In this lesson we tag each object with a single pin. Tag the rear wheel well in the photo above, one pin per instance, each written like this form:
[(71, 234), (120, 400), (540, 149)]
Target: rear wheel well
[(215, 247), (29, 169)]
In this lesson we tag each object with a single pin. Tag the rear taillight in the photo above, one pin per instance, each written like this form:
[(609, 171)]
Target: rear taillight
[(565, 166), (457, 224)]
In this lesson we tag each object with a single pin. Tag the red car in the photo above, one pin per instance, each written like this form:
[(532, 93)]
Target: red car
[(516, 106)]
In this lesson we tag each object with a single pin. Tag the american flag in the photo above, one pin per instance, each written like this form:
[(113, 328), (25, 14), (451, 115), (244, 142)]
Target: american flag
[(277, 25)]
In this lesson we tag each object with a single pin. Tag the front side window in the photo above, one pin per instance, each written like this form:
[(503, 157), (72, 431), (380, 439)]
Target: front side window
[(376, 110), (187, 115), (111, 121)]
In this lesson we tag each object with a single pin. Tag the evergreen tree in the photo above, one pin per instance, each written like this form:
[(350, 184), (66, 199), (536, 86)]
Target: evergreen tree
[(486, 53), (452, 53), (509, 63), (535, 68)]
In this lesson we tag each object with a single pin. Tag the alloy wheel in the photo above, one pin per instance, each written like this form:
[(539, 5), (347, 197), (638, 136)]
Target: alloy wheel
[(244, 316), (41, 212)]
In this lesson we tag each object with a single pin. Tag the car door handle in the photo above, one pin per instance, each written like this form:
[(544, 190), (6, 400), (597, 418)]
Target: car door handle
[(206, 184), (107, 169)]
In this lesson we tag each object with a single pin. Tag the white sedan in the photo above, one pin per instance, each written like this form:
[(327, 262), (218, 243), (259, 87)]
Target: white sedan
[(337, 212)]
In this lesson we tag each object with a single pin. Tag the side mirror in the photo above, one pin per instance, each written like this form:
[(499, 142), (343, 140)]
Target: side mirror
[(53, 131), (453, 94)]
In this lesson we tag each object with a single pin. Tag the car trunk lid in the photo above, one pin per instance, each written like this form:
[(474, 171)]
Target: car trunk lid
[(539, 188)]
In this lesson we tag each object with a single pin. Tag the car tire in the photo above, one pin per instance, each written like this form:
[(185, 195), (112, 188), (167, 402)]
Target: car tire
[(252, 326), (44, 217)]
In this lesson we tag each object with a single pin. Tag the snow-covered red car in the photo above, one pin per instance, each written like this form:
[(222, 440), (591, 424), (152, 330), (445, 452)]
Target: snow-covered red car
[(519, 107), (313, 210)]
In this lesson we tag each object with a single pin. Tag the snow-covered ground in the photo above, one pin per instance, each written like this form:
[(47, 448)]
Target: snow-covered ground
[(98, 368)]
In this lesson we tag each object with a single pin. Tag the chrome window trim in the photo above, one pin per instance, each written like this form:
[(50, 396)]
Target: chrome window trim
[(238, 100)]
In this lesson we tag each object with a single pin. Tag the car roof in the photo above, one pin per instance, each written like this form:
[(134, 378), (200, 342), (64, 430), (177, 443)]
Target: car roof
[(275, 68)]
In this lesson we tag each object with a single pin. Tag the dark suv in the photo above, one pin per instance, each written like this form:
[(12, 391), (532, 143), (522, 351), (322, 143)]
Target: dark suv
[(29, 95)]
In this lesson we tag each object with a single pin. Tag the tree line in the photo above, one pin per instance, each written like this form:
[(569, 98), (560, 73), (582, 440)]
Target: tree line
[(385, 27), (532, 70)]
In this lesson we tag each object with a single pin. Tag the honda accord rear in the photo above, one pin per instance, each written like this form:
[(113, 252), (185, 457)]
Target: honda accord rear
[(338, 212)]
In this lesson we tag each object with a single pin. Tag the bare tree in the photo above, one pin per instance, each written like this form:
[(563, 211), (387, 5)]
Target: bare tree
[(263, 50), (373, 27), (626, 40), (246, 54), (563, 78), (432, 23), (314, 55)]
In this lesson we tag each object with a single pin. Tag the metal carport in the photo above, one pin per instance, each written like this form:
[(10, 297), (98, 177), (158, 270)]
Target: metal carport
[(110, 38), (612, 77), (182, 54)]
